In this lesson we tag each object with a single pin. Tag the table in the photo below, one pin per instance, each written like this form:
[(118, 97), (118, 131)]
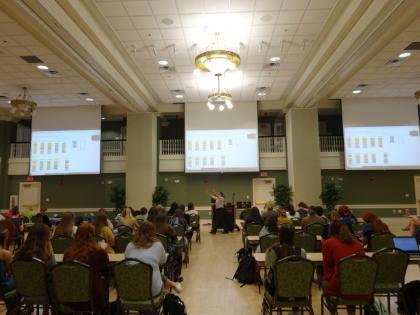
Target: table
[(256, 238), (113, 258)]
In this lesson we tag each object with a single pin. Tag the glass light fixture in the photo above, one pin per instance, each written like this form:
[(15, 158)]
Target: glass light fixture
[(23, 105)]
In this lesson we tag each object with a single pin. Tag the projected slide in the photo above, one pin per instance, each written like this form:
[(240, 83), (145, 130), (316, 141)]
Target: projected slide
[(382, 147), (221, 150), (65, 152)]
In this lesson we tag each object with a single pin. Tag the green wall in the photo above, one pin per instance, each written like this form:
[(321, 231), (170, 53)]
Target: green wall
[(73, 191), (184, 188), (7, 135)]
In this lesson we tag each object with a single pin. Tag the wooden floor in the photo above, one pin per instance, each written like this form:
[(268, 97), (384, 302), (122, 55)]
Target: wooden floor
[(208, 292)]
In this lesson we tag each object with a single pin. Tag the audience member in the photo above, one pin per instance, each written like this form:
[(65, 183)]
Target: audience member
[(340, 244), (178, 218), (44, 217), (153, 212), (253, 216), (102, 229), (373, 225), (172, 209), (270, 227), (148, 249), (413, 225), (142, 214), (9, 212), (29, 214), (292, 213), (7, 282), (66, 226), (320, 212), (78, 220), (311, 218), (17, 220), (269, 209), (162, 227), (108, 221), (191, 210), (346, 215), (303, 209), (283, 219), (127, 218), (85, 249), (332, 217)]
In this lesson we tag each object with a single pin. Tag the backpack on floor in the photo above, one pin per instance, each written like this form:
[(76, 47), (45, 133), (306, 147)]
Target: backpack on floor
[(247, 269), (409, 298), (377, 308), (173, 305)]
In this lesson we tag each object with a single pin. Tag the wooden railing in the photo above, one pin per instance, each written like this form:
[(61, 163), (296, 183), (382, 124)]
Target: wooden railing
[(331, 143), (110, 148)]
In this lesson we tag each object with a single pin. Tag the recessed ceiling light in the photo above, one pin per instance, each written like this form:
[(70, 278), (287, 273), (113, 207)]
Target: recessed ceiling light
[(179, 96), (262, 94), (357, 91), (9, 102), (266, 18), (167, 21), (275, 59), (163, 63), (103, 118), (404, 54), (89, 99), (42, 67)]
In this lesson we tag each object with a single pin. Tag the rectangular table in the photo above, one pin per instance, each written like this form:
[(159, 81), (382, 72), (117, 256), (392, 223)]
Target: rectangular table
[(256, 238), (113, 258)]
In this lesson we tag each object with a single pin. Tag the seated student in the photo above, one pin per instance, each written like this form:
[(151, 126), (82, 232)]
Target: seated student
[(38, 245), (29, 214), (85, 250), (7, 282), (283, 219), (9, 212), (142, 215), (44, 217), (254, 217), (332, 217), (292, 213), (147, 248), (373, 225), (127, 218), (178, 218), (17, 220), (191, 210), (269, 209), (164, 228), (66, 226), (320, 212), (108, 221), (153, 212), (311, 218), (102, 229), (303, 209), (413, 224), (270, 226), (346, 215), (172, 209), (341, 244)]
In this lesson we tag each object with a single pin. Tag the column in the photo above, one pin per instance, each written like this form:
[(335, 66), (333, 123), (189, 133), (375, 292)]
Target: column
[(303, 155), (7, 133), (141, 159)]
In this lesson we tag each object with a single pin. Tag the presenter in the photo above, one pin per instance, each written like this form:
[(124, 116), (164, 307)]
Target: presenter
[(219, 220)]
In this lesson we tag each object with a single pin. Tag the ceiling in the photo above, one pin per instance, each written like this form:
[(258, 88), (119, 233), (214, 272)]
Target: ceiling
[(147, 28), (110, 49), (15, 73)]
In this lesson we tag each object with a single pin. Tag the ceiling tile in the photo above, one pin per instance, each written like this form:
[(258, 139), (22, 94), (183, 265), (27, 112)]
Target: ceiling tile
[(193, 20), (168, 21), (163, 7), (130, 35), (309, 29), (150, 34), (134, 8), (120, 23), (174, 33), (321, 4), (264, 5), (262, 31), (315, 16), (216, 5), (295, 4), (142, 22), (290, 17), (114, 8), (190, 6), (242, 5), (269, 17)]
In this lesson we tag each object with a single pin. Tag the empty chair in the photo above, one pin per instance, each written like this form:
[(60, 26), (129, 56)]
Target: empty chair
[(392, 265), (253, 229), (379, 241), (267, 241), (315, 228), (305, 240), (60, 243), (122, 241), (195, 225), (133, 280), (164, 240), (356, 277), (31, 281), (124, 229), (293, 279)]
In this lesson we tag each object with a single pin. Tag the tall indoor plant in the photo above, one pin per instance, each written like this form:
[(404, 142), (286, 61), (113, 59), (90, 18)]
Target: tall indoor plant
[(160, 196), (331, 195), (282, 194), (117, 197)]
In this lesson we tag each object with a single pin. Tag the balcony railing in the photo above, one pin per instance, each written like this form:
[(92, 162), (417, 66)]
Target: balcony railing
[(331, 143), (171, 147), (110, 148), (272, 144)]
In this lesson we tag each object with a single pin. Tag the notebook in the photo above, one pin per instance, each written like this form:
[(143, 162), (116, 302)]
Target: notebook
[(407, 244)]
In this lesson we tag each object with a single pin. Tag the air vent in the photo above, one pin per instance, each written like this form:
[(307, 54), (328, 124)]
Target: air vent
[(53, 74), (31, 59), (413, 46), (271, 66), (395, 62), (3, 98), (165, 69)]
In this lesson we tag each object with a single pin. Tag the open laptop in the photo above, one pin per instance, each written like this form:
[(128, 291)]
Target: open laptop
[(407, 244)]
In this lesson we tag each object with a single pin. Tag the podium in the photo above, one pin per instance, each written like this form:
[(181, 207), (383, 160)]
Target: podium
[(230, 215)]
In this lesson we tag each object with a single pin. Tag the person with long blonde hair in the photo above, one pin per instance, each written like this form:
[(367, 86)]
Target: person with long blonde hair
[(128, 219), (66, 226), (86, 250), (102, 229), (147, 248)]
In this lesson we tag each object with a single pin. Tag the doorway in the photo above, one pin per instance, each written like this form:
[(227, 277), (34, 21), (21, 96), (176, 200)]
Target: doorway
[(262, 191)]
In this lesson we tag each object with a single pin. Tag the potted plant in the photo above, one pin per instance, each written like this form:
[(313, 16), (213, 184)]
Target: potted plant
[(160, 196), (282, 194), (331, 194), (117, 197)]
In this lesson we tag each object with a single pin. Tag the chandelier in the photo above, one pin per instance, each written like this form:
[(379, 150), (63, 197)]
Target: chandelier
[(22, 106), (220, 100)]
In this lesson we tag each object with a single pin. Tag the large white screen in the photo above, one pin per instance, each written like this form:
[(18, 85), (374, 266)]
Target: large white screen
[(221, 141), (66, 141), (381, 134)]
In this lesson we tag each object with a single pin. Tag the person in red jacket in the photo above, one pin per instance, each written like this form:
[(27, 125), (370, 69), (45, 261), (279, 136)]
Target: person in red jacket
[(340, 244)]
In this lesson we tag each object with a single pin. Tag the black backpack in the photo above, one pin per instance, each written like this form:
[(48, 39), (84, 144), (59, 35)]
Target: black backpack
[(247, 269), (173, 305), (409, 298)]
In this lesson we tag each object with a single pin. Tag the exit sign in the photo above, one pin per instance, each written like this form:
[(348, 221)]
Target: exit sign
[(264, 174)]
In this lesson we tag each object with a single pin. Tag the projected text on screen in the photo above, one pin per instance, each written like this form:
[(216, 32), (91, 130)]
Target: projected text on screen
[(65, 152), (221, 150)]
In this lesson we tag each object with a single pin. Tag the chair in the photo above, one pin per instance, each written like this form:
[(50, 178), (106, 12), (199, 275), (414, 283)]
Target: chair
[(357, 227), (315, 229), (31, 282), (37, 219), (164, 240), (297, 222), (267, 241), (379, 241), (195, 225), (124, 229), (392, 266), (72, 283), (293, 280), (305, 240), (356, 277), (180, 240), (133, 280), (60, 243), (99, 238), (121, 242), (253, 229)]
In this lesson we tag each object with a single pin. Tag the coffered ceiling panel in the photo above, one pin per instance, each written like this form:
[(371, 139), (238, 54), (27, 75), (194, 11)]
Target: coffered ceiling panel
[(173, 29)]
